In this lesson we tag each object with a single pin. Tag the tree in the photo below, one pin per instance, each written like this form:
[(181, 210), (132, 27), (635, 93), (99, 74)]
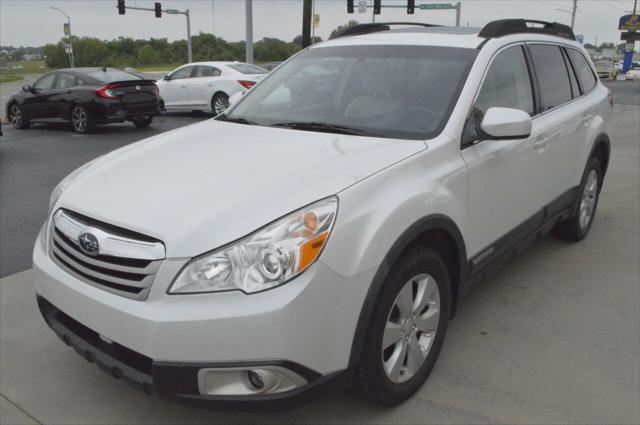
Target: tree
[(349, 24), (147, 55)]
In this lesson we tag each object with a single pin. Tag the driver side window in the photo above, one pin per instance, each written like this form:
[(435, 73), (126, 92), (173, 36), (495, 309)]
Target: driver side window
[(46, 82), (182, 73), (507, 84)]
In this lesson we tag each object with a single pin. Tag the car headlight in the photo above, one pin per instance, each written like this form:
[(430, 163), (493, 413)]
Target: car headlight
[(65, 182), (265, 259)]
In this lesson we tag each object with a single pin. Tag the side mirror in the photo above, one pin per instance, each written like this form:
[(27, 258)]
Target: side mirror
[(235, 98), (27, 89), (166, 77), (506, 123)]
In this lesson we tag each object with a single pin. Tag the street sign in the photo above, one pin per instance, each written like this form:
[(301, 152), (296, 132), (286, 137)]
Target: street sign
[(68, 48), (362, 6), (630, 36), (580, 38), (172, 11), (66, 28), (436, 6), (629, 22)]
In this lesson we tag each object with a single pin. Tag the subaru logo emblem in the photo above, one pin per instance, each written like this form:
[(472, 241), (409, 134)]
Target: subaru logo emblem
[(137, 87), (89, 244)]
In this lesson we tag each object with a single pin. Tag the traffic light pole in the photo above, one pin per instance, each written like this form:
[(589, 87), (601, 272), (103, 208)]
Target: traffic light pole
[(457, 7), (174, 12)]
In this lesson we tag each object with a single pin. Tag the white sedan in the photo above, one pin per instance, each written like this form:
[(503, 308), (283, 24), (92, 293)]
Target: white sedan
[(634, 73), (207, 86)]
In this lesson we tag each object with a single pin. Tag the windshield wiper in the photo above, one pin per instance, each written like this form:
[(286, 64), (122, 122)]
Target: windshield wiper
[(239, 120), (322, 127)]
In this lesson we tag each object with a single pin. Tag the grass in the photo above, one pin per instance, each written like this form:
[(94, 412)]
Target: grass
[(10, 78), (28, 67)]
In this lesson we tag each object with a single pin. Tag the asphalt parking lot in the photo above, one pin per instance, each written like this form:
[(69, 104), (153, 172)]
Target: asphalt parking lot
[(553, 337)]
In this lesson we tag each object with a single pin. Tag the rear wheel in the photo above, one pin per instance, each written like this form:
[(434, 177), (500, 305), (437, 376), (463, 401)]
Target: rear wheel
[(17, 117), (219, 103), (142, 121), (407, 329), (80, 119), (578, 226)]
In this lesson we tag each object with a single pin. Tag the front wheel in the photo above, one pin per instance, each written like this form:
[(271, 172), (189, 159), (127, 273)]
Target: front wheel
[(578, 226), (17, 118), (219, 103), (407, 329), (142, 121), (80, 119)]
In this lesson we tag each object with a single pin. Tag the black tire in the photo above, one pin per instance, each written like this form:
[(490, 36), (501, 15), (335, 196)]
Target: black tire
[(142, 121), (576, 228), (17, 118), (372, 377), (79, 117), (219, 103)]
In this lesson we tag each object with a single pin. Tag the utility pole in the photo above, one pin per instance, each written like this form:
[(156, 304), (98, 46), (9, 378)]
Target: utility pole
[(307, 8), (213, 18), (249, 30), (573, 13), (72, 61)]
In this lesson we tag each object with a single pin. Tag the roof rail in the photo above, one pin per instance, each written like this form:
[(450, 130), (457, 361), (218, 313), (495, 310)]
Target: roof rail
[(517, 26), (375, 27)]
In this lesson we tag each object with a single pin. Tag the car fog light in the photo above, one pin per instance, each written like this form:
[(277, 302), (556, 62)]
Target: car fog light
[(238, 381)]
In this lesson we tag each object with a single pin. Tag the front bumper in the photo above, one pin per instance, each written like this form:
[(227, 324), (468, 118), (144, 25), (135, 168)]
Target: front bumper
[(178, 381), (308, 323)]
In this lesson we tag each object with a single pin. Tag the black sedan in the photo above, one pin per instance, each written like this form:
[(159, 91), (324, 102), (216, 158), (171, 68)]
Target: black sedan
[(86, 97)]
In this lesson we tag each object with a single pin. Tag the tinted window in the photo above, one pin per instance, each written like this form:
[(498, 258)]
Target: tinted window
[(206, 71), (245, 68), (585, 75), (575, 89), (46, 82), (552, 75), (182, 73), (507, 84), (65, 80), (112, 75), (382, 91)]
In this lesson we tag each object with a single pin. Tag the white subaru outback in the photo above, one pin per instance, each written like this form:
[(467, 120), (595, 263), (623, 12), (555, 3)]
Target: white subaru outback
[(324, 229)]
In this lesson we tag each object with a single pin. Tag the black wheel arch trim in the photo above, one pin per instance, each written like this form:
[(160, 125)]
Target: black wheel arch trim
[(430, 222), (599, 140)]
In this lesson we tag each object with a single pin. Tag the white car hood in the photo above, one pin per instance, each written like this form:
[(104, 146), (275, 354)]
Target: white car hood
[(202, 186)]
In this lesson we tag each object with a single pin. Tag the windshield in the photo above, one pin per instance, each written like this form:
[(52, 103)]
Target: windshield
[(111, 75), (382, 91), (248, 69)]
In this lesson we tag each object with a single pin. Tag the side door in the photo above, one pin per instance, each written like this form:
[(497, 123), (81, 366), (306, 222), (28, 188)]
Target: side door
[(505, 175), (585, 107), (174, 91), (37, 106), (560, 123), (203, 85), (62, 94)]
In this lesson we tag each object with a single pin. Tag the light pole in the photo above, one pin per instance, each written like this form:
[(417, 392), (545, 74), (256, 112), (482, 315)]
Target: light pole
[(71, 58)]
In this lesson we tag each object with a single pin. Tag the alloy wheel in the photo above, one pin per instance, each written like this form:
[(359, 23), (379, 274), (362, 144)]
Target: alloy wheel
[(79, 119), (15, 116), (588, 199), (411, 328), (220, 104)]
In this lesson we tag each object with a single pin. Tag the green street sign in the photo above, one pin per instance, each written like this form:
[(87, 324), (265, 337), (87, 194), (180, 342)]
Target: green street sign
[(436, 6), (172, 11)]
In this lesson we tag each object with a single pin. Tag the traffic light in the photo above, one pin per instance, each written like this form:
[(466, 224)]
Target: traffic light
[(158, 10), (121, 8), (349, 6), (411, 5), (376, 7)]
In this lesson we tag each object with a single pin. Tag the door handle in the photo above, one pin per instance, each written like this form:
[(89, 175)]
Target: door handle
[(586, 119), (541, 143), (183, 87), (210, 84), (69, 91)]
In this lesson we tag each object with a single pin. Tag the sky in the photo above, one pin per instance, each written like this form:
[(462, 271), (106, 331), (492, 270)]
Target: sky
[(33, 23)]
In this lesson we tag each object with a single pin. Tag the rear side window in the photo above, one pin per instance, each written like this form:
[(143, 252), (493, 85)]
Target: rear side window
[(585, 74), (552, 75), (507, 84), (65, 80)]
